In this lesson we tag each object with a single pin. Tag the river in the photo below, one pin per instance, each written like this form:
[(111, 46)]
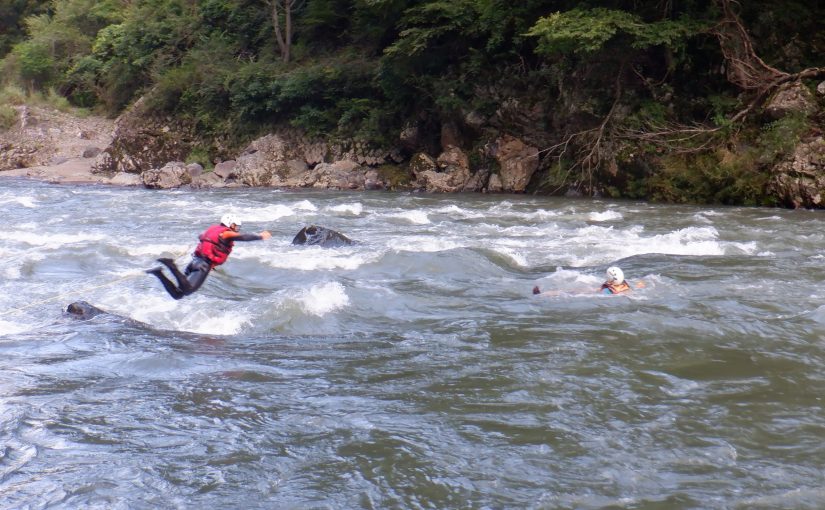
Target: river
[(413, 369)]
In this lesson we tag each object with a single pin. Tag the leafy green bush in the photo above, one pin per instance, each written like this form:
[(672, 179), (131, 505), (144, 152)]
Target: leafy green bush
[(170, 87), (200, 155), (58, 102), (588, 30), (395, 176), (8, 117), (37, 67), (12, 95), (781, 136), (323, 99)]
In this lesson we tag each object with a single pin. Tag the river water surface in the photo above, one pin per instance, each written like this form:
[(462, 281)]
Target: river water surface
[(413, 369)]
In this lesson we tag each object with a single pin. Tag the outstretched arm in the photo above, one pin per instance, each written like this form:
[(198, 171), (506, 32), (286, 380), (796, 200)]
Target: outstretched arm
[(235, 236)]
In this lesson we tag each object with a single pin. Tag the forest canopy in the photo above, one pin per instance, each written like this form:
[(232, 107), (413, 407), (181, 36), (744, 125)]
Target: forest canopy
[(559, 73)]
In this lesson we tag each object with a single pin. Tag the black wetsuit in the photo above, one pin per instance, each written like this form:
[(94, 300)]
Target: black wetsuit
[(195, 273)]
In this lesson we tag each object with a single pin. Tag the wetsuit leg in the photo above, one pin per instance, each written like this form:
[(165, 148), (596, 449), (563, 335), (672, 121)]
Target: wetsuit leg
[(196, 273), (194, 276), (167, 283)]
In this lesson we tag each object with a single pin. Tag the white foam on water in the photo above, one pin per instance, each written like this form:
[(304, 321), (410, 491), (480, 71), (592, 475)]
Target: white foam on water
[(571, 278), (27, 202), (308, 258), (175, 204), (274, 212), (209, 322), (505, 210), (456, 212), (11, 272), (413, 217), (596, 244), (305, 205), (450, 209), (11, 328), (506, 233), (146, 306), (605, 216), (160, 250), (691, 241), (195, 314), (49, 240), (501, 207), (515, 256), (709, 213), (541, 215), (426, 244), (355, 209), (322, 299)]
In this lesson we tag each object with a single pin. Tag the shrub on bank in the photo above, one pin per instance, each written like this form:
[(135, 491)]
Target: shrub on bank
[(8, 117)]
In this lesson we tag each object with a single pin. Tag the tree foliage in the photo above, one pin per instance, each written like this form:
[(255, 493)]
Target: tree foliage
[(588, 30), (556, 72)]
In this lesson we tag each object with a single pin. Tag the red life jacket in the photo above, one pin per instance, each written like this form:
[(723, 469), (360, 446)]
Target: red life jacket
[(616, 288), (212, 247)]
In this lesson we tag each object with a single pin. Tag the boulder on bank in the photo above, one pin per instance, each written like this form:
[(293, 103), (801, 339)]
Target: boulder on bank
[(338, 175), (517, 162), (226, 169), (267, 161), (449, 174), (791, 98), (143, 141), (799, 180), (173, 175)]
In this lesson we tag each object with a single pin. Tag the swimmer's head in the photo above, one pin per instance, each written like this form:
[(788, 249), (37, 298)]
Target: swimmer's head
[(614, 275), (227, 220)]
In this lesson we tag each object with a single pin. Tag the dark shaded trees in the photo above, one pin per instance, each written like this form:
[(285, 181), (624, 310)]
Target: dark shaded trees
[(589, 82)]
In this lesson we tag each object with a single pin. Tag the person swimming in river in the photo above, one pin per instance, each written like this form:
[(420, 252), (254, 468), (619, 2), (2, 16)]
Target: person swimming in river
[(214, 248), (615, 284)]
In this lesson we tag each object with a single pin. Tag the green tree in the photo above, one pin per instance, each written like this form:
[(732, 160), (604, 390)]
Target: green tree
[(13, 14), (281, 14)]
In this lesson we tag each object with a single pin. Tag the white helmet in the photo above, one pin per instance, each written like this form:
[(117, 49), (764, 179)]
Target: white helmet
[(614, 275), (228, 219)]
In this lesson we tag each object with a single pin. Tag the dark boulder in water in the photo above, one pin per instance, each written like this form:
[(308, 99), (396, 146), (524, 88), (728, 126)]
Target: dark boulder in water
[(321, 236), (83, 310)]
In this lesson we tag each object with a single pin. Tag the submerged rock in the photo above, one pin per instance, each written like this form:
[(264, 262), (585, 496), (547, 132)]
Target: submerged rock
[(321, 236), (83, 310)]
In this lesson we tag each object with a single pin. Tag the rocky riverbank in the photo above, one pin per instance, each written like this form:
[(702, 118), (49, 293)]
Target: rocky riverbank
[(139, 149), (55, 146)]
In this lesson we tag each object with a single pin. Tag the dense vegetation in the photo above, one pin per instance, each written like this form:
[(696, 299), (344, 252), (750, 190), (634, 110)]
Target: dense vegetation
[(594, 84)]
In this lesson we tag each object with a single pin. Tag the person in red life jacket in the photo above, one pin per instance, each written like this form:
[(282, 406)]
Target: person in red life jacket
[(214, 248), (615, 284)]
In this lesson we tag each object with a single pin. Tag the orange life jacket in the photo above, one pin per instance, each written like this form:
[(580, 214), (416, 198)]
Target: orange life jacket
[(212, 247), (616, 288)]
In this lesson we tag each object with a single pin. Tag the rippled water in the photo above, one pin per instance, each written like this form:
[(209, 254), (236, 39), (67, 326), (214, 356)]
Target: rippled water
[(414, 369)]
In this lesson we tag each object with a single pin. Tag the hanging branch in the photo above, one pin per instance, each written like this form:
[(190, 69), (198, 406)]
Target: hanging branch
[(744, 69), (591, 148), (590, 143)]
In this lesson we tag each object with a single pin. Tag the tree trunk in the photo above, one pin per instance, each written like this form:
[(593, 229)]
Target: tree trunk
[(283, 28)]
